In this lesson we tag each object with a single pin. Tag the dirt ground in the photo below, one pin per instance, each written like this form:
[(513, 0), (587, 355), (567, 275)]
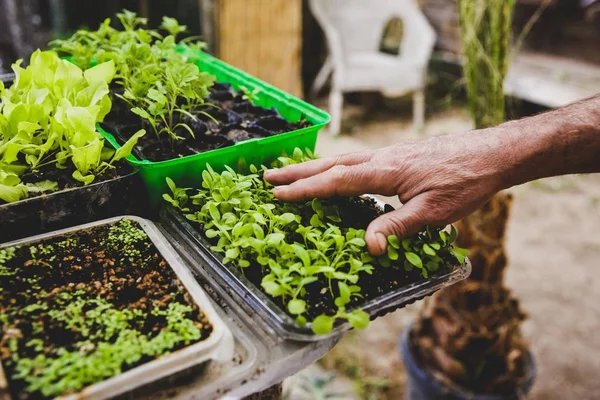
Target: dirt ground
[(554, 250)]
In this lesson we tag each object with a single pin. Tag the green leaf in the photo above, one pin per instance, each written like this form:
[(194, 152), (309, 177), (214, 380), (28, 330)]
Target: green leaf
[(85, 179), (127, 147), (214, 212), (432, 266), (414, 259), (444, 237), (394, 242), (42, 186), (428, 250), (460, 254), (232, 253), (272, 288), (344, 292), (104, 72), (87, 158), (392, 253), (357, 242), (211, 233), (286, 218), (297, 306), (302, 254), (453, 234), (301, 321), (322, 325), (359, 319), (140, 112), (171, 184), (11, 194), (316, 221), (274, 239)]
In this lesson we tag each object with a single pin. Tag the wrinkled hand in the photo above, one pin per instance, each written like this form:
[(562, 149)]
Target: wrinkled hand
[(438, 180)]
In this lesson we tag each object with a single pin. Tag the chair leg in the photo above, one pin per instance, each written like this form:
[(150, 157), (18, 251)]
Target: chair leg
[(336, 103), (322, 76), (419, 110)]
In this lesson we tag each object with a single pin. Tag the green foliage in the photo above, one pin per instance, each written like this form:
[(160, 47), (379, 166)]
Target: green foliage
[(112, 343), (298, 245), (49, 116), (486, 30), (6, 255), (70, 333), (250, 95), (159, 83), (130, 239)]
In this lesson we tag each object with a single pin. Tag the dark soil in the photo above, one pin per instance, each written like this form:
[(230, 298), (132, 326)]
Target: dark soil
[(356, 213), (86, 266), (225, 119)]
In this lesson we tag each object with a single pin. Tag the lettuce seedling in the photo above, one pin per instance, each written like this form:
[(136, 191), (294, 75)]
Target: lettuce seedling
[(49, 116), (297, 247)]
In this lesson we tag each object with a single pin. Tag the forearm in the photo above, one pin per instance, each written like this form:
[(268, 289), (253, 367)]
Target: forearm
[(559, 142)]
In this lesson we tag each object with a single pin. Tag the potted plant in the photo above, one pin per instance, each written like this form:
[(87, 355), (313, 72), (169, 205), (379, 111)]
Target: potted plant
[(467, 342), (167, 86), (99, 310), (55, 166), (306, 265)]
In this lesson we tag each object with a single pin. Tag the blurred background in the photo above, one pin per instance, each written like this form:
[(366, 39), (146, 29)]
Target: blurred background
[(553, 244)]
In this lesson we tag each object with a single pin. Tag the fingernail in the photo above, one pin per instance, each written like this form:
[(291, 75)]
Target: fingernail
[(381, 240)]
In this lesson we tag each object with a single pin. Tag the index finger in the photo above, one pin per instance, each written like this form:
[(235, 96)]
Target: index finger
[(292, 173)]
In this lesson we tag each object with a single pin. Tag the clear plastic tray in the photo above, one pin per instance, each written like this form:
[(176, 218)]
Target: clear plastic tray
[(219, 346), (255, 300)]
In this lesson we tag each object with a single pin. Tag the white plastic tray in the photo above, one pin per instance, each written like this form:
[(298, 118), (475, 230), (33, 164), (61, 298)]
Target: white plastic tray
[(219, 346)]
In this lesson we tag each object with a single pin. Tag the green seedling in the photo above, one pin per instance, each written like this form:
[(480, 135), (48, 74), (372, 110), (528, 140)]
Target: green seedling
[(297, 246), (161, 85), (49, 117)]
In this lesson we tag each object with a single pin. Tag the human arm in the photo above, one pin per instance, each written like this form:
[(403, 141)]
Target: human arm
[(443, 179)]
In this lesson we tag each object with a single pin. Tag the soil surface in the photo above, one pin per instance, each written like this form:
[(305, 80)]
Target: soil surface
[(226, 118), (553, 248), (52, 294)]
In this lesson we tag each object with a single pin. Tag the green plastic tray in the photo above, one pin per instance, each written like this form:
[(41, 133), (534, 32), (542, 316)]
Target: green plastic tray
[(186, 171)]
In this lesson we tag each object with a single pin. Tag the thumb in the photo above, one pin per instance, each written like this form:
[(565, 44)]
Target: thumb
[(405, 221)]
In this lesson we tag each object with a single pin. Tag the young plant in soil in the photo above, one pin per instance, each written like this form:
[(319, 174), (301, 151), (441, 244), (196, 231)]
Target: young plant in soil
[(310, 257), (48, 135), (84, 307), (163, 90)]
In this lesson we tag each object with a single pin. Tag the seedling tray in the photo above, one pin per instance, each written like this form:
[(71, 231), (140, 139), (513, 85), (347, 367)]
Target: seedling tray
[(186, 170), (219, 345), (284, 325)]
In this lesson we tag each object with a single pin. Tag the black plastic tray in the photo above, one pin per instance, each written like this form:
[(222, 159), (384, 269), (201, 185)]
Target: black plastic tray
[(120, 196)]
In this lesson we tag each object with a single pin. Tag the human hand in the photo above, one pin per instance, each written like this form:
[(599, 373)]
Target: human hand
[(439, 180)]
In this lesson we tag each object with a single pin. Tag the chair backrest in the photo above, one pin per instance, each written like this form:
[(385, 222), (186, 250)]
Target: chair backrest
[(358, 25)]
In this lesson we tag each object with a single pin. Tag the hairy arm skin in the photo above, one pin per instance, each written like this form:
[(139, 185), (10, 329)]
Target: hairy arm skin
[(443, 179)]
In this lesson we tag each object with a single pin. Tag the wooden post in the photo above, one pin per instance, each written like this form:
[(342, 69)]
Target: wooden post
[(263, 38)]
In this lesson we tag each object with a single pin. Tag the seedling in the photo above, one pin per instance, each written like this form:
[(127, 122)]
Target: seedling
[(79, 309), (158, 82), (250, 95), (303, 251), (48, 117)]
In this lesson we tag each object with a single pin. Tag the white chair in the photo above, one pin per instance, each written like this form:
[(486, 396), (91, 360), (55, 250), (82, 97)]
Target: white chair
[(353, 29)]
